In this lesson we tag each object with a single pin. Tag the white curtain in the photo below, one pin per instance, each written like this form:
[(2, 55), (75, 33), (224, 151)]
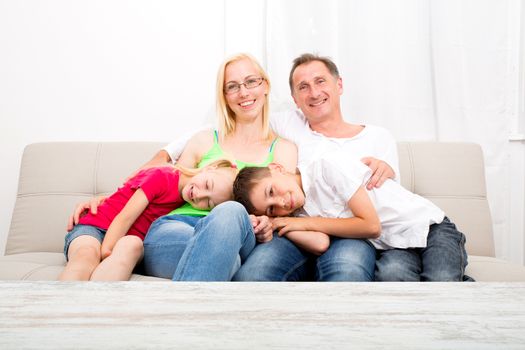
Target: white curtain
[(440, 70)]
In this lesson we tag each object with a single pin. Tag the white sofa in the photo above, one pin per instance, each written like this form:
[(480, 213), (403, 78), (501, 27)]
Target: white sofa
[(55, 176)]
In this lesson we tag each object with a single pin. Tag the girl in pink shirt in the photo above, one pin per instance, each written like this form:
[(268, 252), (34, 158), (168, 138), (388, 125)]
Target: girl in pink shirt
[(107, 244)]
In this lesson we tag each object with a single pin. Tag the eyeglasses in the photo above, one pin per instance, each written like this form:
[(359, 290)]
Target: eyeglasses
[(251, 83)]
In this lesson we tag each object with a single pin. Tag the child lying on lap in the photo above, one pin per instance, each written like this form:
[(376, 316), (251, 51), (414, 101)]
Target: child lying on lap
[(328, 198)]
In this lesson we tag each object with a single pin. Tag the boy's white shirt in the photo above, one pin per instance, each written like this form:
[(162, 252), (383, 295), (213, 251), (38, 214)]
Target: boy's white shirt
[(329, 183), (373, 141)]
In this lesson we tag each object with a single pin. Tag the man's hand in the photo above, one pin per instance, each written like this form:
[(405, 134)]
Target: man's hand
[(262, 227), (288, 224), (82, 208), (381, 171)]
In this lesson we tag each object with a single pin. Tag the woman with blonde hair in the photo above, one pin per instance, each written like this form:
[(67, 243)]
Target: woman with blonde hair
[(190, 244)]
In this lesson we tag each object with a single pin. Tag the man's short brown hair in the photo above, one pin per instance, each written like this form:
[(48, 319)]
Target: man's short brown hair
[(310, 57)]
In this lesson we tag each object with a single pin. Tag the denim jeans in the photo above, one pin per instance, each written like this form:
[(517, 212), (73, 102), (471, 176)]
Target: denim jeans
[(281, 260), (186, 248), (82, 230), (443, 259)]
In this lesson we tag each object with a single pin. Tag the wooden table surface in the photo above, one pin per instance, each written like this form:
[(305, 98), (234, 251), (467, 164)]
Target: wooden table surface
[(167, 315)]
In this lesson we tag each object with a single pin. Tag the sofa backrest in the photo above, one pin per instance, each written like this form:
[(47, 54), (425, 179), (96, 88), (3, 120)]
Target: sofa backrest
[(452, 175), (55, 176)]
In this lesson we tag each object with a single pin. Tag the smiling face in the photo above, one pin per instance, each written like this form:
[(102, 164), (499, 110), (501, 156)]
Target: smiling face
[(245, 103), (316, 91), (279, 194), (209, 188)]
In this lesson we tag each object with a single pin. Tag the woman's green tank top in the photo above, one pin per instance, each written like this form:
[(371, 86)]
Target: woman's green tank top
[(213, 154)]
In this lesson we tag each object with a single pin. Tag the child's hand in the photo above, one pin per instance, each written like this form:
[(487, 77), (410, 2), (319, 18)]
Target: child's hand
[(288, 224), (82, 208), (262, 227), (104, 252)]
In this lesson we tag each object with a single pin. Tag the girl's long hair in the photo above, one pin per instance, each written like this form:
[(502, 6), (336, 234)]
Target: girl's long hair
[(221, 163)]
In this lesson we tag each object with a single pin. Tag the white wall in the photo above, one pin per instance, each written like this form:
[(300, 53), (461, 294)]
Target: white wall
[(102, 70)]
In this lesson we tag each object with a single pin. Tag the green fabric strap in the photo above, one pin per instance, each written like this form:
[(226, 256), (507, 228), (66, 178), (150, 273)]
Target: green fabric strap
[(213, 154)]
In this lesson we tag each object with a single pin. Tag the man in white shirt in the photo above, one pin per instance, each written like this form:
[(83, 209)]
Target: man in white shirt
[(320, 129)]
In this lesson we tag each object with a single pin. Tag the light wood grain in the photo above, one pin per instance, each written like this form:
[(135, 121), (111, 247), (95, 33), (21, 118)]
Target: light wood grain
[(166, 315)]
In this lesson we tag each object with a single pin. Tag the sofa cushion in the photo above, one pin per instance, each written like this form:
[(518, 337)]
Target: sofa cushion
[(42, 267), (489, 269), (32, 266)]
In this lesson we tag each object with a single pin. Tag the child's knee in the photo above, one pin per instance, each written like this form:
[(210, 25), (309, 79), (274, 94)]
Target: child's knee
[(129, 246), (85, 248)]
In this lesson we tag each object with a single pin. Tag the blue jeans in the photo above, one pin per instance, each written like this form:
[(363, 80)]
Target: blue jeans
[(443, 259), (281, 260), (186, 248), (82, 230)]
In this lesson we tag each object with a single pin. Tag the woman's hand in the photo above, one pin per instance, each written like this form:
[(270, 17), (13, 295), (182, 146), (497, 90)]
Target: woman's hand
[(381, 172), (262, 227), (82, 208)]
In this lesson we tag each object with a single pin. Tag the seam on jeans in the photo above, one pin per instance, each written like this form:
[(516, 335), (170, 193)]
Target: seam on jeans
[(463, 256), (246, 227), (462, 251), (188, 250), (245, 241), (161, 244), (461, 245)]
